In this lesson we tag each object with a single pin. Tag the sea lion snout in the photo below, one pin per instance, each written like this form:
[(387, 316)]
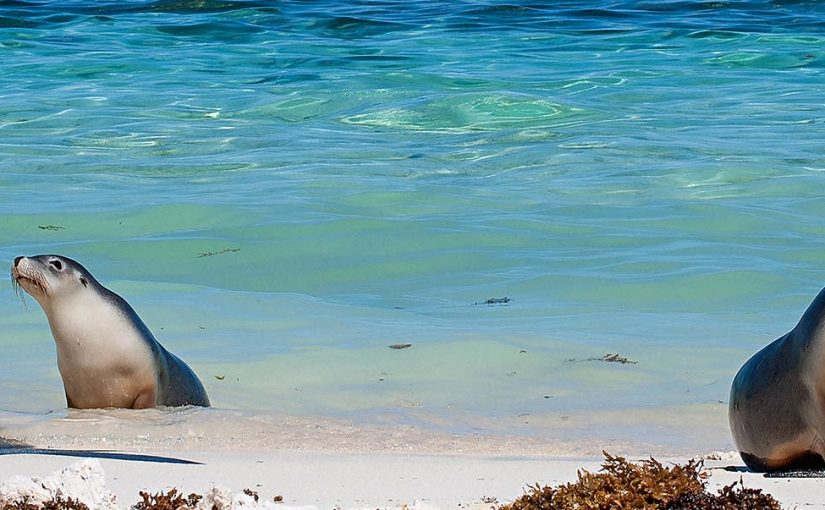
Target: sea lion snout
[(23, 265), (20, 268), (27, 274)]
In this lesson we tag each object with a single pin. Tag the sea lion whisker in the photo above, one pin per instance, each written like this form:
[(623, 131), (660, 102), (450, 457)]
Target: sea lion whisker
[(18, 291), (42, 282)]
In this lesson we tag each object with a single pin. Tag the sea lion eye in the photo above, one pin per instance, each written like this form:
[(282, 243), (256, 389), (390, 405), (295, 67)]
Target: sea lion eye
[(84, 282), (56, 264)]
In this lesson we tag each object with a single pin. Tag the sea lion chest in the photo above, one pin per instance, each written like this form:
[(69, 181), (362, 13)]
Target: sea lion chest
[(103, 358)]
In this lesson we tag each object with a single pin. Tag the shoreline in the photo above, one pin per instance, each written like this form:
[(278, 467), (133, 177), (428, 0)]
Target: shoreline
[(320, 479), (333, 464), (669, 432), (327, 463), (330, 480)]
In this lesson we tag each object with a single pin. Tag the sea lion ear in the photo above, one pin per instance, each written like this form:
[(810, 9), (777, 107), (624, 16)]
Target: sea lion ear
[(84, 281)]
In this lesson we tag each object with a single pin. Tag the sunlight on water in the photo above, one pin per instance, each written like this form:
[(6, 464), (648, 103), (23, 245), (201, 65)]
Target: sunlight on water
[(283, 192)]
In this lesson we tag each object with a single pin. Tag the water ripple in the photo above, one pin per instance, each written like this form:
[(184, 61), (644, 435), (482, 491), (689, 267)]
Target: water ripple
[(635, 176)]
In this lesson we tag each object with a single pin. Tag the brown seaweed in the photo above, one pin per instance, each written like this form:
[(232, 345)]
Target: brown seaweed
[(646, 485), (607, 358), (169, 501), (494, 301), (220, 252), (57, 503)]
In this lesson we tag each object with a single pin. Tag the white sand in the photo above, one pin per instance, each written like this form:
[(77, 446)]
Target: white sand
[(334, 463), (351, 480)]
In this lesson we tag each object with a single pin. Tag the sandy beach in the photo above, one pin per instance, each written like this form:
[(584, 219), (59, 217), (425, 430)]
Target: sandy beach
[(334, 463), (420, 255), (369, 480)]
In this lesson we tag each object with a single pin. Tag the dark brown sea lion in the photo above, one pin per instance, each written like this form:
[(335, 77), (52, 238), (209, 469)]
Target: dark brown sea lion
[(777, 400)]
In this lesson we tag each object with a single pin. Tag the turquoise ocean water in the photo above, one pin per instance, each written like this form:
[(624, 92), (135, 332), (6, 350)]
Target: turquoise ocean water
[(284, 189)]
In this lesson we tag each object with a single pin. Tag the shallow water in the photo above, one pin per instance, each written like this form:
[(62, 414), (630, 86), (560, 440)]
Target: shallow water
[(284, 190)]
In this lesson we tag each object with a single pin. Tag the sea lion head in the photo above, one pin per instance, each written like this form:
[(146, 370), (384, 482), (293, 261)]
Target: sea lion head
[(48, 278)]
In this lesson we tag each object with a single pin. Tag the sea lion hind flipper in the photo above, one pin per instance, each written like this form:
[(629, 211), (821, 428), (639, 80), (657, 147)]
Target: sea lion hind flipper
[(808, 461)]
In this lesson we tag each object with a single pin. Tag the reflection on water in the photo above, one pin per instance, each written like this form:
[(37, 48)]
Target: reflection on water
[(283, 191)]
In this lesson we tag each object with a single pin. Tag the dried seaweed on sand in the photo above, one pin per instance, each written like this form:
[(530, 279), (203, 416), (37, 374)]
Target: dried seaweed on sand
[(645, 485)]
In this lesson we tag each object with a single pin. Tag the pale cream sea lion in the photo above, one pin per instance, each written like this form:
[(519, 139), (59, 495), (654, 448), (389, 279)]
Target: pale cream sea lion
[(106, 355), (777, 400)]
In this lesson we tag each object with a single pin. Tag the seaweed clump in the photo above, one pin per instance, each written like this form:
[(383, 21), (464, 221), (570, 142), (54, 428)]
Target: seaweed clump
[(646, 485), (169, 501), (57, 503)]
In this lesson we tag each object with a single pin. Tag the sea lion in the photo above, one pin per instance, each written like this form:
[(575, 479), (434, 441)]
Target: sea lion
[(777, 400), (106, 355)]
